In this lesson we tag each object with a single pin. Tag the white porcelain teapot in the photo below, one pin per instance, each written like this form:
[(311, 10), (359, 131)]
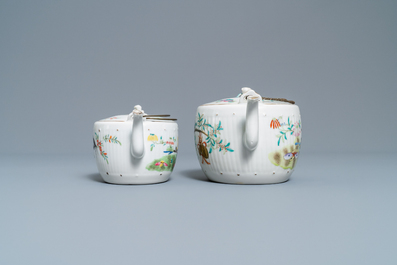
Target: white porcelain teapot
[(136, 148), (248, 139)]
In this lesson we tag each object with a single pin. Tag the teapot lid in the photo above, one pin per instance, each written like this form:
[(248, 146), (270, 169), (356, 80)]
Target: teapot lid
[(248, 92), (139, 111)]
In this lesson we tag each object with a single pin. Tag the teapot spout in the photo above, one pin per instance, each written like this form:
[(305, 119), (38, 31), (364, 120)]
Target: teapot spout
[(137, 141)]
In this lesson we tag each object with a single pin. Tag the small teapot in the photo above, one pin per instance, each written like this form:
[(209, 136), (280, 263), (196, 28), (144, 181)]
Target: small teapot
[(248, 139), (136, 148)]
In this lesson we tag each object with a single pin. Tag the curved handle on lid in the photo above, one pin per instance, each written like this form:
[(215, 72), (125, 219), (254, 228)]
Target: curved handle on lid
[(251, 135), (137, 137)]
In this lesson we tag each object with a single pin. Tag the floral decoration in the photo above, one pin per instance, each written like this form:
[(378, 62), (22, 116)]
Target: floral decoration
[(213, 140), (287, 156), (99, 144), (111, 139), (285, 128), (165, 163), (155, 141)]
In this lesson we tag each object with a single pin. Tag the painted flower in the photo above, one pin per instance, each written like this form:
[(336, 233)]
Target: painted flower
[(152, 137), (296, 129), (274, 123), (161, 164)]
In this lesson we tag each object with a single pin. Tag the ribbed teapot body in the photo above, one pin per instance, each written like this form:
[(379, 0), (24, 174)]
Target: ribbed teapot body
[(112, 150), (219, 140)]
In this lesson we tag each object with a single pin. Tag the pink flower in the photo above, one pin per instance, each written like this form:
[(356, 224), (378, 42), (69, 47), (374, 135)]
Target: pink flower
[(296, 129)]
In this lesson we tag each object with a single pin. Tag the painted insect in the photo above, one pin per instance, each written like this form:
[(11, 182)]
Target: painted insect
[(287, 156), (275, 123), (291, 155), (161, 164), (202, 149)]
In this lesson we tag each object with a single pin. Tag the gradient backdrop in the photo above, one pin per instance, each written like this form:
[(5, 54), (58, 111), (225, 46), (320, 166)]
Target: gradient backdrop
[(64, 65)]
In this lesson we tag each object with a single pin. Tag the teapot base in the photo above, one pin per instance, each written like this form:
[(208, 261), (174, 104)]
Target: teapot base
[(136, 180), (247, 178)]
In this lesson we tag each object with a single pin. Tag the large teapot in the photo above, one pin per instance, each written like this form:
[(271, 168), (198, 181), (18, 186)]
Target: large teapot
[(248, 139), (136, 148)]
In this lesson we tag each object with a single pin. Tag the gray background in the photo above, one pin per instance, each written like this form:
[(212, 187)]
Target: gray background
[(64, 65)]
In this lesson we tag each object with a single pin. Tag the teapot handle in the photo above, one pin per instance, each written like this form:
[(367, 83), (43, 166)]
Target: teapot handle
[(251, 134), (252, 124), (137, 137)]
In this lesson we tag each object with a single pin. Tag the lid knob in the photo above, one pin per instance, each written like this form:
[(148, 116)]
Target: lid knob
[(138, 110), (249, 94), (245, 89)]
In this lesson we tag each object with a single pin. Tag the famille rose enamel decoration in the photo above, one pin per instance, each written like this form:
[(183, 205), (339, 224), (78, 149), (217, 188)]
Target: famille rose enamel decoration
[(248, 139), (137, 148)]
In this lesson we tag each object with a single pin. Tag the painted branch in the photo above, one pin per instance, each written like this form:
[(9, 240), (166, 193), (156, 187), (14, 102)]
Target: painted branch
[(200, 131)]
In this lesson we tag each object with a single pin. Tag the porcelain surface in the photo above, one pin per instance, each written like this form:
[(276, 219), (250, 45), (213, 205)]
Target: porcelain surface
[(248, 140), (132, 149)]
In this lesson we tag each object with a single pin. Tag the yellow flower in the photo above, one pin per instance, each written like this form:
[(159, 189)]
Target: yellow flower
[(152, 137)]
